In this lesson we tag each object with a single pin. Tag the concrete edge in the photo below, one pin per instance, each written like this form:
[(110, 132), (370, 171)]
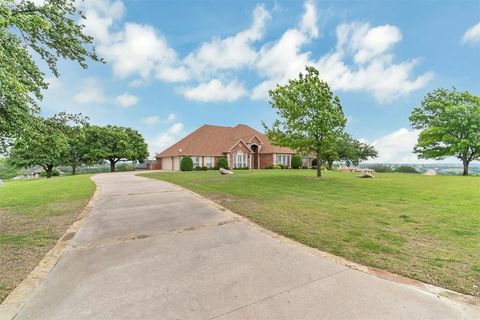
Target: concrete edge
[(379, 273), (23, 292)]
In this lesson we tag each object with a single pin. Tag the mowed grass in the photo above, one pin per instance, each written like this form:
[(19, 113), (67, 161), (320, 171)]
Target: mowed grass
[(34, 214), (422, 227)]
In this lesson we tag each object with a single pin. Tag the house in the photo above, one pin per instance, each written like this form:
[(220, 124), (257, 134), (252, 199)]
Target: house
[(242, 145)]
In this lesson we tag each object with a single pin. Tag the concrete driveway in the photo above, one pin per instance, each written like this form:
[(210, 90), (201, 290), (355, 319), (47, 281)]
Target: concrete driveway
[(150, 250)]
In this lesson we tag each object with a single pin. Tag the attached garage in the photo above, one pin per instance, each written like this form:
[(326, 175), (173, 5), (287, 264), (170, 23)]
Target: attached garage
[(167, 163)]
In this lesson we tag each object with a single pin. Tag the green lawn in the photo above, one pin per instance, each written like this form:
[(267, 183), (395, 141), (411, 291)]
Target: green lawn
[(34, 214), (423, 227)]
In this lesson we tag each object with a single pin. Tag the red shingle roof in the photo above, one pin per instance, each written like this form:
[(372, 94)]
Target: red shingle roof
[(211, 140)]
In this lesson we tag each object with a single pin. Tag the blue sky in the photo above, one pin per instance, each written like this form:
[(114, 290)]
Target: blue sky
[(173, 66)]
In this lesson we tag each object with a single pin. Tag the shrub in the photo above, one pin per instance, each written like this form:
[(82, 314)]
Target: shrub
[(269, 167), (380, 168), (243, 168), (55, 173), (304, 167), (197, 168), (314, 167), (277, 167), (223, 163), (125, 167), (204, 168), (406, 169), (296, 162), (186, 164)]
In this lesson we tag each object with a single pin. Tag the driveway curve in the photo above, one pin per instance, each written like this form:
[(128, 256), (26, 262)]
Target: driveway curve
[(151, 250)]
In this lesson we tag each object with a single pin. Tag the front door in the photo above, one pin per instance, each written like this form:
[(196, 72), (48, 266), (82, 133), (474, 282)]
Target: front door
[(255, 156)]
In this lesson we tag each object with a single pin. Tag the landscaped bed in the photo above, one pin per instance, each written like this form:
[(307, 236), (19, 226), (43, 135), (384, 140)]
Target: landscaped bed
[(34, 214), (422, 227)]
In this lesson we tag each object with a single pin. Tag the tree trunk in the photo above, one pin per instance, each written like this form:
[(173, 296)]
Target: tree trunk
[(319, 165), (74, 168), (49, 171), (330, 164), (112, 166), (465, 167)]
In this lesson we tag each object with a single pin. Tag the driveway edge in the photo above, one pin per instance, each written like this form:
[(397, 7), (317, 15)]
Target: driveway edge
[(22, 293), (379, 273)]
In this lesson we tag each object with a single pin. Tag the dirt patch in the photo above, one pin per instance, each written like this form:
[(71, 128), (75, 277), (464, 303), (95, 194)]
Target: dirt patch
[(24, 240)]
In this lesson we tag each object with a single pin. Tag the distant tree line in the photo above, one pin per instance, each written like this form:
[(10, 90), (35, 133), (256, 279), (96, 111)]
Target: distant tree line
[(66, 139)]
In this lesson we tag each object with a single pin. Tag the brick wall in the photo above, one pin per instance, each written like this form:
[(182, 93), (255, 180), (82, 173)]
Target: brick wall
[(266, 160), (240, 147)]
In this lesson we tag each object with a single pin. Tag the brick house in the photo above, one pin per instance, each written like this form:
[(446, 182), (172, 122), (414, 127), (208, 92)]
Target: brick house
[(242, 145)]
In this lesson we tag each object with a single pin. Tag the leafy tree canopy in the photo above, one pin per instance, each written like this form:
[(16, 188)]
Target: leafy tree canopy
[(52, 31), (450, 124), (310, 115), (43, 146), (114, 144)]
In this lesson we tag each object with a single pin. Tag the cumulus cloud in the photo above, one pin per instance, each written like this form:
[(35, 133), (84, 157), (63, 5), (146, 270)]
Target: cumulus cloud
[(214, 91), (91, 91), (100, 16), (171, 117), (151, 121), (362, 60), (166, 139), (397, 147), (472, 35), (231, 52), (126, 100)]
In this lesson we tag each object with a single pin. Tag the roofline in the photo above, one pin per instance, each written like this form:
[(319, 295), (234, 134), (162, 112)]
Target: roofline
[(241, 140), (261, 142)]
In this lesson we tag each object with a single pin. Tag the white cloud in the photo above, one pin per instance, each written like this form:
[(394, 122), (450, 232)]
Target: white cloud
[(151, 121), (472, 35), (100, 17), (154, 120), (215, 90), (91, 91), (138, 50), (362, 60), (397, 147), (308, 24), (166, 139), (231, 52), (171, 117), (126, 100)]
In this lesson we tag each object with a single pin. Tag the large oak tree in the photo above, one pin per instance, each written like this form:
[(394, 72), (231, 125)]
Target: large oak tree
[(310, 115), (114, 144), (450, 124)]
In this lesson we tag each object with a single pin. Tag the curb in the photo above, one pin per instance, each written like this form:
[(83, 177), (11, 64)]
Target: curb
[(22, 293)]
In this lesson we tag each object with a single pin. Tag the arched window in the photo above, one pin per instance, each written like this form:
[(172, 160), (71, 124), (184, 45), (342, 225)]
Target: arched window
[(239, 160)]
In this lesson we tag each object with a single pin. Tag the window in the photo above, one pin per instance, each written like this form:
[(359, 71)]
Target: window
[(239, 160), (283, 159), (208, 162), (196, 161)]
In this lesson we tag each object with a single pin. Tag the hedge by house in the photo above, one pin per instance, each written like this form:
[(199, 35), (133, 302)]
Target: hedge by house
[(296, 162), (223, 163), (186, 164)]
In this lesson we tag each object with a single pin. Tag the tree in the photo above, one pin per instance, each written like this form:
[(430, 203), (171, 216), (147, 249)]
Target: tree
[(115, 144), (52, 31), (44, 145), (73, 127), (406, 169), (450, 124), (186, 164), (311, 116), (297, 161), (347, 149), (223, 163)]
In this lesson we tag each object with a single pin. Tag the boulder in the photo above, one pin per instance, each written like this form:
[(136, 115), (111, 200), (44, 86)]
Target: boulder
[(225, 171)]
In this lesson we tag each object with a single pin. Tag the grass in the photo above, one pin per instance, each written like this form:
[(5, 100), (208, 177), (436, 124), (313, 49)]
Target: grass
[(422, 227), (34, 214)]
